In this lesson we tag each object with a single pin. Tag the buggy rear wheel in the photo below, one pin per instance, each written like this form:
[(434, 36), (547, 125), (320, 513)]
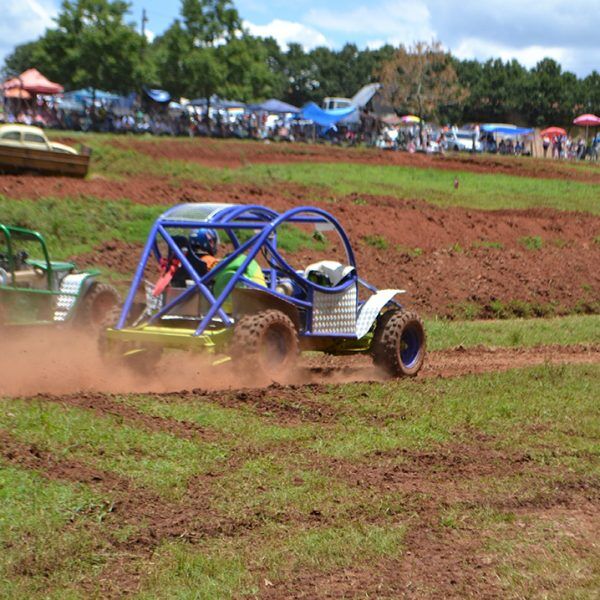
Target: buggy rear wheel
[(265, 344), (97, 304), (399, 343)]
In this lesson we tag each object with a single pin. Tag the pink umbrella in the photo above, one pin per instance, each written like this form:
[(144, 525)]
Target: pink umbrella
[(587, 121)]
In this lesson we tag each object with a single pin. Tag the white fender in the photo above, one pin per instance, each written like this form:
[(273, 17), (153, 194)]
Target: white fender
[(371, 309)]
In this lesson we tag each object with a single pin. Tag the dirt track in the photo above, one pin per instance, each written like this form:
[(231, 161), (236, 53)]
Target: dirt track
[(56, 364)]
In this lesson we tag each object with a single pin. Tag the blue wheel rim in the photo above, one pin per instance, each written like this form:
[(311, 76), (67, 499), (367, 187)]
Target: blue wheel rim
[(410, 345)]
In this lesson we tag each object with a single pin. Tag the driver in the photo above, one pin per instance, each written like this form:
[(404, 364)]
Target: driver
[(200, 249), (204, 245)]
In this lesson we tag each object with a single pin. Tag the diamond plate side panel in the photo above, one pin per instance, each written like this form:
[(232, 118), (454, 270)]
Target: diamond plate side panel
[(71, 284), (334, 313)]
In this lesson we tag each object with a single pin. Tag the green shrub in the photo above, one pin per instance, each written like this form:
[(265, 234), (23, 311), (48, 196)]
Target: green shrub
[(376, 241), (532, 242)]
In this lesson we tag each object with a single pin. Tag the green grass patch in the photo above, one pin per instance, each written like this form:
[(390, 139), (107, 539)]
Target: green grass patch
[(75, 226), (243, 425), (292, 239), (549, 558), (532, 242), (576, 329), (382, 417), (233, 568), (412, 252), (488, 245), (477, 190), (376, 241), (276, 488), (48, 535), (159, 460)]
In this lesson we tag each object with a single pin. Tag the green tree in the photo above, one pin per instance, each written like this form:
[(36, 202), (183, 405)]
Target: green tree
[(208, 21), (248, 74), (551, 94), (91, 46), (205, 75), (169, 53)]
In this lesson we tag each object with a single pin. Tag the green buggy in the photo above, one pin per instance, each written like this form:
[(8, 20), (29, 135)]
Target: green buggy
[(40, 291)]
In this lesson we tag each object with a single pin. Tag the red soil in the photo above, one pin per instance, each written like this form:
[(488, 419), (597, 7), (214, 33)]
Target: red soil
[(452, 266)]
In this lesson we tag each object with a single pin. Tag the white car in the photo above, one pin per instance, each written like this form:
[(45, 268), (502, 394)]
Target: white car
[(34, 138), (461, 141)]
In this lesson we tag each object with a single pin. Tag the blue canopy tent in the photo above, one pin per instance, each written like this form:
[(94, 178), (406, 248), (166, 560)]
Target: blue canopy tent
[(86, 95), (217, 103), (325, 118), (503, 129), (159, 96), (274, 106)]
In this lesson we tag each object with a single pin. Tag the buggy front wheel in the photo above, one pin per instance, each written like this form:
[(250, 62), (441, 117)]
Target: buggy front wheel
[(399, 343)]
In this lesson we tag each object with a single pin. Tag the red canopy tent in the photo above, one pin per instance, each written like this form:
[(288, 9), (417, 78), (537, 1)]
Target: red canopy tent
[(17, 93), (34, 82)]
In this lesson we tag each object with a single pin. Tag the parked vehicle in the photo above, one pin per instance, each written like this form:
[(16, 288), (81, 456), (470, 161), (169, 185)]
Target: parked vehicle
[(461, 140), (260, 317), (26, 148)]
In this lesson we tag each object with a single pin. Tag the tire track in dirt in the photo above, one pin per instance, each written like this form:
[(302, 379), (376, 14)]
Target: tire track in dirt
[(106, 405), (154, 519), (453, 562)]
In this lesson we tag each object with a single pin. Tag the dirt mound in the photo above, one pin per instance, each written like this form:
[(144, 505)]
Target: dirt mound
[(452, 260), (230, 153)]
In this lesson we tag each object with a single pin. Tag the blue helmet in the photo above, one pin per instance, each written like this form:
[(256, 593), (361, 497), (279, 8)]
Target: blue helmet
[(204, 241)]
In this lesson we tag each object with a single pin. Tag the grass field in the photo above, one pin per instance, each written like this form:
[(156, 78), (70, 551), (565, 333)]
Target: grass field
[(451, 485), (271, 492)]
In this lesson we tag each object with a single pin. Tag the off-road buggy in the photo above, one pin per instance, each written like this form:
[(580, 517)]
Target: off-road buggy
[(258, 316), (36, 291)]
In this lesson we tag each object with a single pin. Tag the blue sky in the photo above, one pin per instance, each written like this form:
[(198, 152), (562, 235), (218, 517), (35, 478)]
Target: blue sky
[(528, 30)]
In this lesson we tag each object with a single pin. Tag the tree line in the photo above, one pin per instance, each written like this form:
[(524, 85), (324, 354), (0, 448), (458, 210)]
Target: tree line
[(207, 51)]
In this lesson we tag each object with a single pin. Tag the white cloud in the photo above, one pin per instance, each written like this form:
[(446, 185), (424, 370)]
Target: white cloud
[(527, 31), (528, 56), (150, 35), (23, 21), (394, 21), (286, 32)]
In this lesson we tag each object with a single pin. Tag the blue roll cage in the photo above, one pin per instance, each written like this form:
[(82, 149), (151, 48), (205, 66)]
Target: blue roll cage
[(228, 218)]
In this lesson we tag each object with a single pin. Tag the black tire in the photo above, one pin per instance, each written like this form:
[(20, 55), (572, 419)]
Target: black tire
[(118, 355), (98, 302), (265, 345), (399, 343)]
